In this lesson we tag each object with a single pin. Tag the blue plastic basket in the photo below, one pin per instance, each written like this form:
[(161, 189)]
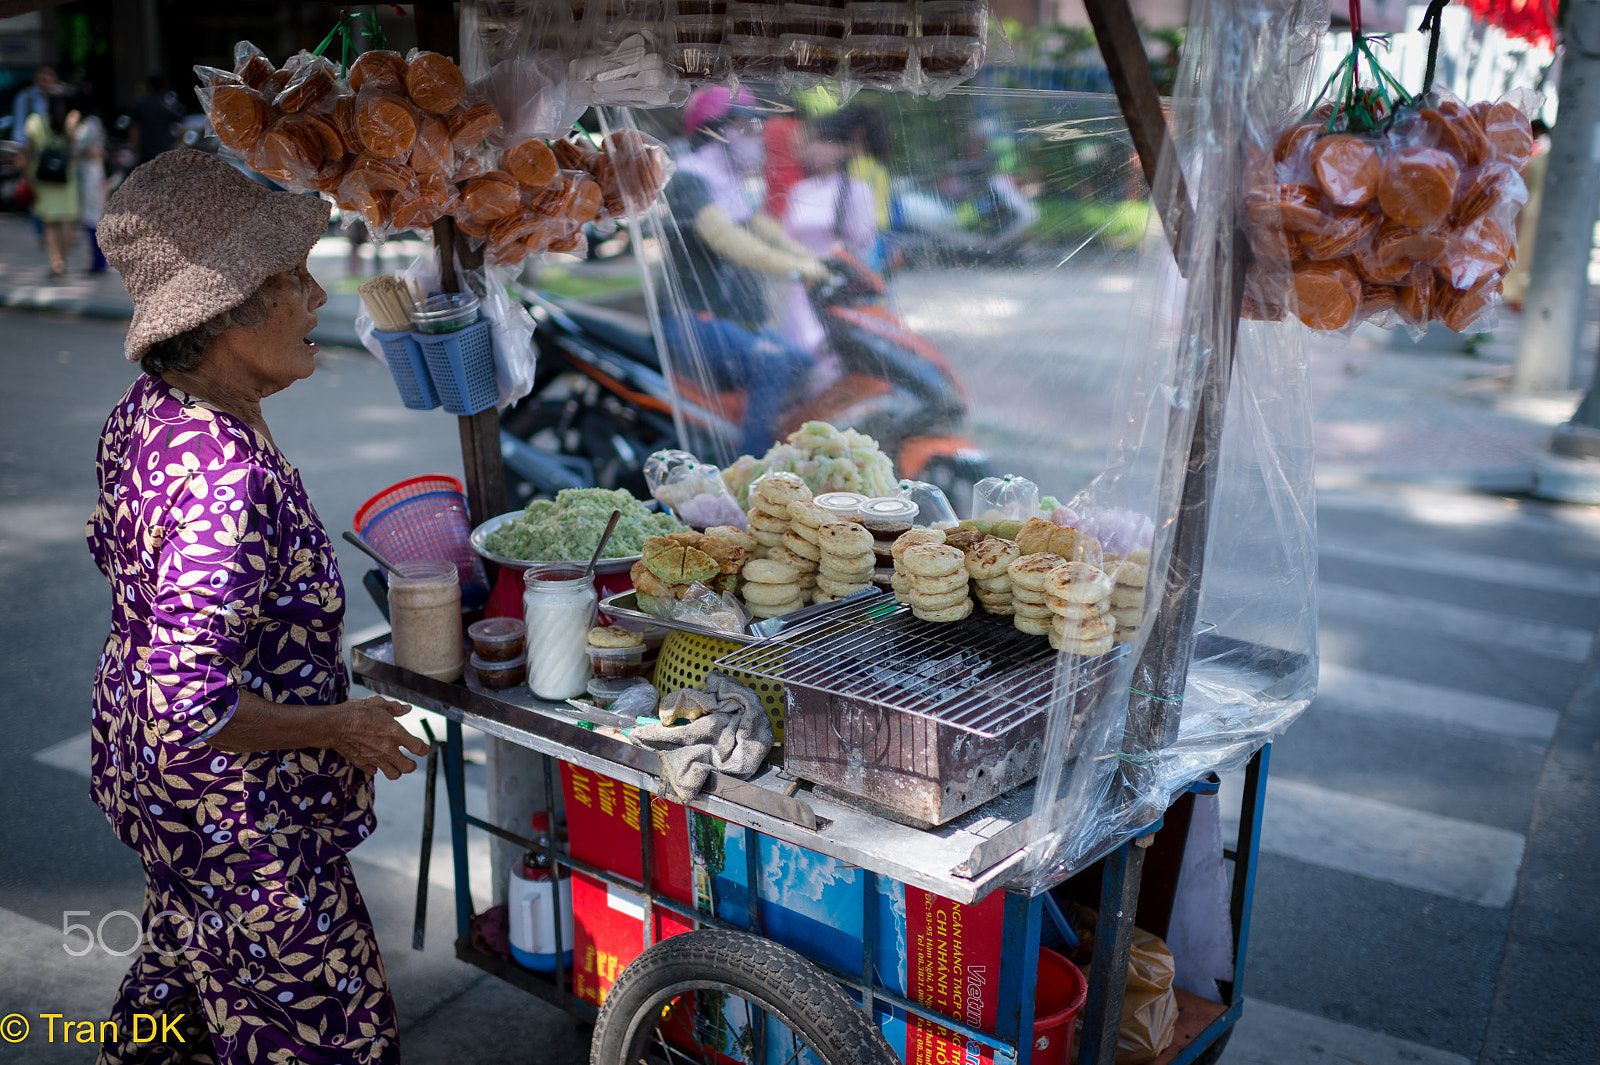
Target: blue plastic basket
[(409, 370), (461, 365)]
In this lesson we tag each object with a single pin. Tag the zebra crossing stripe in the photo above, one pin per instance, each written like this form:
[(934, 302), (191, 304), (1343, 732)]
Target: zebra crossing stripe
[(1382, 841), (1424, 617), (1354, 691), (1467, 565)]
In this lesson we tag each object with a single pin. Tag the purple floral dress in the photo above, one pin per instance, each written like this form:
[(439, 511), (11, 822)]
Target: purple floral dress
[(223, 580)]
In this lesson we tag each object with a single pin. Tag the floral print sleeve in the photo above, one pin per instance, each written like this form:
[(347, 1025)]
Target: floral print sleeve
[(211, 564), (223, 581)]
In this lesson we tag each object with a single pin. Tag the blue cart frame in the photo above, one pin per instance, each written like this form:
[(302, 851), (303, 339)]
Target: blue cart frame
[(1012, 1040)]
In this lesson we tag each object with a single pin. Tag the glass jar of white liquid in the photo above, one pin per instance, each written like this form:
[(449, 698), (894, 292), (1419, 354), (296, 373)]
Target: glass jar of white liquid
[(425, 614), (558, 609)]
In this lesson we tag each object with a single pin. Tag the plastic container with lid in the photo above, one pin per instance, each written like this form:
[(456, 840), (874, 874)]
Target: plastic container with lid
[(879, 60), (888, 516), (810, 20), (841, 506), (950, 57), (933, 506), (617, 661), (953, 18), (880, 20), (607, 690), (496, 639), (425, 614), (499, 674), (446, 312), (699, 29), (816, 56)]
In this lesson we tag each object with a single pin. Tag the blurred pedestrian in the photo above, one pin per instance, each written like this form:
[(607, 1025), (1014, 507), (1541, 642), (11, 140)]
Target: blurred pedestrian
[(90, 148), (32, 99), (54, 177), (155, 117)]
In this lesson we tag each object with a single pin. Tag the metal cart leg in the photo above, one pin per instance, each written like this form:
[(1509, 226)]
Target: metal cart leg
[(1245, 853), (1108, 976), (455, 787), (1019, 946)]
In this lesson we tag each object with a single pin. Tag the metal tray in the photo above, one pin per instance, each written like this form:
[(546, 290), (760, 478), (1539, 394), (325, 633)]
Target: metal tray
[(625, 605), (481, 534)]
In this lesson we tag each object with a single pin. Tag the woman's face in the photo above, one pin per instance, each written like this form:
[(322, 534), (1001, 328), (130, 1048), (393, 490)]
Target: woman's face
[(278, 352), (819, 156)]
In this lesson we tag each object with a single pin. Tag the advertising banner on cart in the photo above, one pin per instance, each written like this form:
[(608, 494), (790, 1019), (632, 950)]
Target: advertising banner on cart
[(932, 950)]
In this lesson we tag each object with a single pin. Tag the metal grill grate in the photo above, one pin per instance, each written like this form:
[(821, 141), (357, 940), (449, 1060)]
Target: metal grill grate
[(980, 674)]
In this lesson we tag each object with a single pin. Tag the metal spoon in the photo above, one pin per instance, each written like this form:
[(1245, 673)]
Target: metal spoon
[(356, 538), (611, 527)]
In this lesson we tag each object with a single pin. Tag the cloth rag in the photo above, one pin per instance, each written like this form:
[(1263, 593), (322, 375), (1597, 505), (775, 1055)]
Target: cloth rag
[(732, 736)]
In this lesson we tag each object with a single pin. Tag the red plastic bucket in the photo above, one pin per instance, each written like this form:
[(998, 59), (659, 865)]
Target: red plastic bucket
[(1057, 999)]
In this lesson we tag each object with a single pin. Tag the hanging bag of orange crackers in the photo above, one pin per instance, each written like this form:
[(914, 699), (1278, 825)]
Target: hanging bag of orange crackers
[(1385, 207)]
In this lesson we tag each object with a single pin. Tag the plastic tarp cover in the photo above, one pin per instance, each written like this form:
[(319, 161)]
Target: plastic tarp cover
[(1035, 321)]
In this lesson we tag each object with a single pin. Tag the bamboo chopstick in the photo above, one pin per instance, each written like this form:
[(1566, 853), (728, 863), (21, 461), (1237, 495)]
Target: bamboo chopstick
[(388, 301)]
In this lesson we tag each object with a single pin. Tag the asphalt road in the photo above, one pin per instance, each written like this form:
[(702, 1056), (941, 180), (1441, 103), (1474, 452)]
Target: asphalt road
[(1430, 846)]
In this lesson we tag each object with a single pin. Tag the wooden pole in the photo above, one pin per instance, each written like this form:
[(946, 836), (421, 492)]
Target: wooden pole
[(481, 465), (1117, 36)]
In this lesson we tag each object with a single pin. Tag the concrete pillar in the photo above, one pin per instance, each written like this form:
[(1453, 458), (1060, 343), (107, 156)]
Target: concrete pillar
[(1552, 317), (515, 777)]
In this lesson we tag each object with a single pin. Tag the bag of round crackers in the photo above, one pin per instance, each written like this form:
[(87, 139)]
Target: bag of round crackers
[(1395, 211)]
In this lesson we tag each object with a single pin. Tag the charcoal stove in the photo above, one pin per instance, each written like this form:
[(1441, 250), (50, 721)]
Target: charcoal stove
[(922, 720)]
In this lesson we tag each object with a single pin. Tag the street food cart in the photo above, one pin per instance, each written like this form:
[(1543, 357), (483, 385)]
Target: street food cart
[(932, 924), (992, 865)]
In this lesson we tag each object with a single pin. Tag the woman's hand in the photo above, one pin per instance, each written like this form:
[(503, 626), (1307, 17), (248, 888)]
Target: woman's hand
[(369, 737)]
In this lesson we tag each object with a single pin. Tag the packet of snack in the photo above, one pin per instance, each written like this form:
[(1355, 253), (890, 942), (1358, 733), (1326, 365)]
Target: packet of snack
[(692, 490), (704, 607)]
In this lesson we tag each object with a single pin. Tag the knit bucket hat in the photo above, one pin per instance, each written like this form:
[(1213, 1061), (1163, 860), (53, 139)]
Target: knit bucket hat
[(193, 237)]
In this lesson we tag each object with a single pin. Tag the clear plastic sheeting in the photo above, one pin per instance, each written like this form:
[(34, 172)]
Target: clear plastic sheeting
[(1236, 498), (979, 284)]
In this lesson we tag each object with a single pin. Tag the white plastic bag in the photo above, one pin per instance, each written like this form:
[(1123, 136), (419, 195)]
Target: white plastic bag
[(512, 327)]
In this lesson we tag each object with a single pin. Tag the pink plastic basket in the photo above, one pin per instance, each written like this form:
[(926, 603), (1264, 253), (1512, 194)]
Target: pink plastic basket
[(425, 517)]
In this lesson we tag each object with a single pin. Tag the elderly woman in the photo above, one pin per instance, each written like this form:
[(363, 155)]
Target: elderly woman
[(227, 752)]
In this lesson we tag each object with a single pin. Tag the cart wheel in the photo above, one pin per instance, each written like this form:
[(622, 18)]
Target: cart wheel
[(710, 995)]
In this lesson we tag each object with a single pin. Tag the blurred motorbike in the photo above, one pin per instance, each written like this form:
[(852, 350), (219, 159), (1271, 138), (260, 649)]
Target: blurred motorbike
[(976, 213), (602, 403)]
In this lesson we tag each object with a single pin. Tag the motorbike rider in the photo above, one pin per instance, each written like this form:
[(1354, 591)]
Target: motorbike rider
[(828, 210), (723, 253)]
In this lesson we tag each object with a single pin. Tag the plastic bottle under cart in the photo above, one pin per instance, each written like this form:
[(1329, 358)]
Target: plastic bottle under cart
[(529, 897)]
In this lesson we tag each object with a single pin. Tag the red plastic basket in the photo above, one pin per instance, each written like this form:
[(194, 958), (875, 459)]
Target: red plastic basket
[(425, 517)]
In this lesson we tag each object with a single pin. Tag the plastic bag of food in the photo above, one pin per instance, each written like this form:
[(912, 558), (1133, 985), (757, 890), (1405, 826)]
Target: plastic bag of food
[(311, 87), (1149, 1005), (1008, 497), (473, 126), (238, 114), (433, 82), (381, 70), (252, 65), (692, 490), (704, 607), (1381, 207), (634, 170)]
